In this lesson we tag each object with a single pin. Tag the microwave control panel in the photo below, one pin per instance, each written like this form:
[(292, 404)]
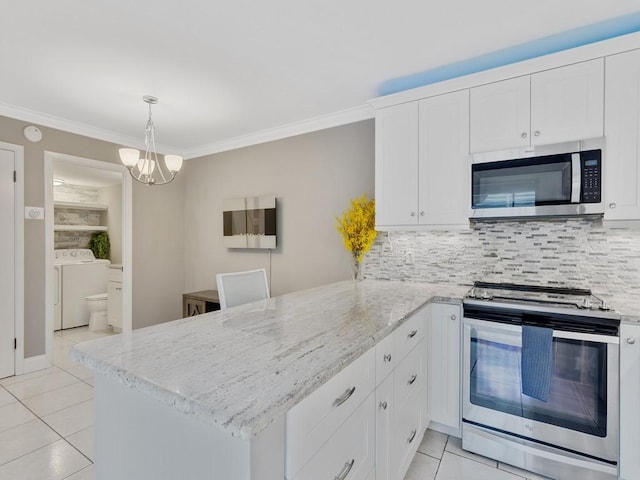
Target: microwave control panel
[(591, 177)]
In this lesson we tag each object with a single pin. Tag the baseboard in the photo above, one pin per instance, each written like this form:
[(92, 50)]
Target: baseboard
[(37, 362), (446, 429)]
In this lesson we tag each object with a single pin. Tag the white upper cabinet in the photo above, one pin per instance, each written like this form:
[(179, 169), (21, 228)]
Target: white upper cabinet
[(500, 115), (568, 103), (557, 105), (444, 168), (397, 165), (422, 162), (622, 130)]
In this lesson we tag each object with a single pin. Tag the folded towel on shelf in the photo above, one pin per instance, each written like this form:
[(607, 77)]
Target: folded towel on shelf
[(537, 361)]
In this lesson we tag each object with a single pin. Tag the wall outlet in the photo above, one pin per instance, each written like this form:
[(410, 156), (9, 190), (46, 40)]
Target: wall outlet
[(408, 257)]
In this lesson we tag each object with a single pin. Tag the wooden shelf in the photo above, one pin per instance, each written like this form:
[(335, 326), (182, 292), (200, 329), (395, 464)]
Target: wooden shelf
[(81, 206), (80, 228)]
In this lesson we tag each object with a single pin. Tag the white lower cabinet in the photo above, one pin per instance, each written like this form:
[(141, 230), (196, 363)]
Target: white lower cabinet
[(400, 412), (444, 367), (366, 423), (350, 453), (629, 401)]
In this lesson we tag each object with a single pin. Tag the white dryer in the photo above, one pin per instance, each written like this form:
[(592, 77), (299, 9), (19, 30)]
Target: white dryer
[(77, 274)]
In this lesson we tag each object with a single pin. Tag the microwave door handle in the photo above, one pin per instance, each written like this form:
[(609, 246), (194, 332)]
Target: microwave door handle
[(576, 178)]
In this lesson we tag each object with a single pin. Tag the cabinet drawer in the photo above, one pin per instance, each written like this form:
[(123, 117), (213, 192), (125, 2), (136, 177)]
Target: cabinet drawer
[(349, 453), (410, 376), (317, 417), (408, 335), (385, 358)]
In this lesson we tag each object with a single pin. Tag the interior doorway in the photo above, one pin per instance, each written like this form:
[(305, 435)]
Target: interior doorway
[(11, 258), (84, 197)]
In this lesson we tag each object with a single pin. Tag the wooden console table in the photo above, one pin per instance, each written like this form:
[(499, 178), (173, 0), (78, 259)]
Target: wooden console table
[(195, 303)]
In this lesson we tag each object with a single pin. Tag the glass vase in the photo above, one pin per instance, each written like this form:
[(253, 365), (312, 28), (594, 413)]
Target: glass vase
[(356, 270)]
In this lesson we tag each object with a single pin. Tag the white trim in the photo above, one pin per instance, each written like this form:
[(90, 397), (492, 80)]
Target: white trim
[(37, 362), (127, 207), (560, 59), (343, 117), (18, 270), (52, 121)]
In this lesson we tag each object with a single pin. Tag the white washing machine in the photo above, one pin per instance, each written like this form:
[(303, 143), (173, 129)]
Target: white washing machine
[(76, 275)]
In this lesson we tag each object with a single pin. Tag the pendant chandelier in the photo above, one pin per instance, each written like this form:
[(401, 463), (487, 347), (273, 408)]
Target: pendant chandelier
[(148, 169)]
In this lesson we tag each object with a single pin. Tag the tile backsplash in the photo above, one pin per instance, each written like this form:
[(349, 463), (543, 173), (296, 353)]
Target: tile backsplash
[(577, 252)]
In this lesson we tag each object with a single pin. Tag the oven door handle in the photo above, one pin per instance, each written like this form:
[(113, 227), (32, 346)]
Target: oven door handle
[(486, 328), (588, 337)]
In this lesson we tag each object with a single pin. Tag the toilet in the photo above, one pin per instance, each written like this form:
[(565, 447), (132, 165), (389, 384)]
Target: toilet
[(98, 308)]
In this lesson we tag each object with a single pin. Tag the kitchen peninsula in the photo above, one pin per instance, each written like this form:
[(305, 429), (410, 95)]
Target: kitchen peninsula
[(208, 396)]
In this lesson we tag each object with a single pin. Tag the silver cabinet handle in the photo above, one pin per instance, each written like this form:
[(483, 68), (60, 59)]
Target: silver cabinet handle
[(524, 135), (413, 214), (612, 205), (412, 436), (453, 317), (383, 405), (631, 340), (387, 357), (344, 397), (345, 470), (412, 334), (412, 379), (537, 133)]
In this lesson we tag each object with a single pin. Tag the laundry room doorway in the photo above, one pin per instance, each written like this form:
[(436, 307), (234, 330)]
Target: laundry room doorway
[(88, 208), (11, 259)]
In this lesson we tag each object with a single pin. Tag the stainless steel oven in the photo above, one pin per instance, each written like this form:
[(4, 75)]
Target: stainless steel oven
[(572, 433)]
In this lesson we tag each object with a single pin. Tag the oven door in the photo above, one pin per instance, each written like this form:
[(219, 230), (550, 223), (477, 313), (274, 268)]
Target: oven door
[(581, 414)]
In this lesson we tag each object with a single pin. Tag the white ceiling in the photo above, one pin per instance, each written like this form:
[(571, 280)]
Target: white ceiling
[(73, 174), (228, 69)]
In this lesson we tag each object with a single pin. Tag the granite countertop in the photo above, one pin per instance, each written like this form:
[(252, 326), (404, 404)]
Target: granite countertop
[(627, 303), (242, 368)]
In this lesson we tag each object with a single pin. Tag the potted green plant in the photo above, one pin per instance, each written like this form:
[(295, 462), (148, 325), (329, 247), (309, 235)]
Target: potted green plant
[(99, 245)]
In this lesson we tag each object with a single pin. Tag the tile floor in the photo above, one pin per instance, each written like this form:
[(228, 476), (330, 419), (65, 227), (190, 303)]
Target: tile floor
[(46, 429), (46, 418)]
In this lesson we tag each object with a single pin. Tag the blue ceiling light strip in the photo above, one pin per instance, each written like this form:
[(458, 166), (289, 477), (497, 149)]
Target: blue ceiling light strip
[(525, 51)]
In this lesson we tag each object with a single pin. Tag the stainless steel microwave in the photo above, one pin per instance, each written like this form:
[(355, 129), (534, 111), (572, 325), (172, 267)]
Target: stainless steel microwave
[(555, 180)]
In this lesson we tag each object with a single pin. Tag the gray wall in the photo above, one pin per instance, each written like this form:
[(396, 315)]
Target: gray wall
[(313, 177), (157, 281), (112, 196)]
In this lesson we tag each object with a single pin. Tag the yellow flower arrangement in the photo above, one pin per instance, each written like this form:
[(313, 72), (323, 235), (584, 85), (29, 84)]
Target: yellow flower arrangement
[(357, 227)]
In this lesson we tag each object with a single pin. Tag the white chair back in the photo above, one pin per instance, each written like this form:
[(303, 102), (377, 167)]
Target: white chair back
[(242, 287)]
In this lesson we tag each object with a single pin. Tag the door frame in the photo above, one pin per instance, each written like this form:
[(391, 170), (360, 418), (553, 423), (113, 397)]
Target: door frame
[(127, 228), (18, 269)]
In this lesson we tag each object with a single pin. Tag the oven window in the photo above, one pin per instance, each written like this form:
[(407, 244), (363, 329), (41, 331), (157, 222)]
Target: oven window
[(578, 396), (519, 184)]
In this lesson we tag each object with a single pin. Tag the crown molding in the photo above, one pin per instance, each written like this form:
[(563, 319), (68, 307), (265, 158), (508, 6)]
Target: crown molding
[(343, 117), (59, 123)]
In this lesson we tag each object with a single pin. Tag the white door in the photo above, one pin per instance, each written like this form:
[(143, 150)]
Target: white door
[(444, 366), (500, 115), (444, 159), (622, 126), (567, 103), (7, 256), (397, 165), (629, 401)]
